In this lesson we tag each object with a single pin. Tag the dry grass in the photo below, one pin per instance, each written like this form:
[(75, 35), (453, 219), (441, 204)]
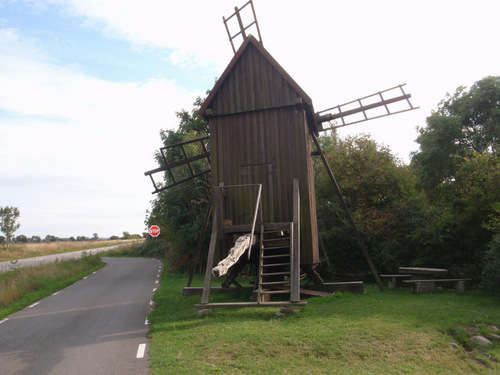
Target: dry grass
[(29, 250)]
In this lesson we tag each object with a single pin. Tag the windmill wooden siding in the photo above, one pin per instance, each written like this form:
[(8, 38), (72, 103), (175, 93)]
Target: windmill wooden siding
[(258, 134)]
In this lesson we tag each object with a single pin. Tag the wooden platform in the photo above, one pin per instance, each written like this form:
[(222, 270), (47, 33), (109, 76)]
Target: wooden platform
[(252, 304), (355, 287), (197, 291)]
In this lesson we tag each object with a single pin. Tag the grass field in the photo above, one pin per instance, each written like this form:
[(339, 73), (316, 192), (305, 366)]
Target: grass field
[(375, 333), (29, 250)]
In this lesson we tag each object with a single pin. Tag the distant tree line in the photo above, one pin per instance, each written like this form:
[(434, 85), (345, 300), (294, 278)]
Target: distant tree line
[(10, 238), (441, 210)]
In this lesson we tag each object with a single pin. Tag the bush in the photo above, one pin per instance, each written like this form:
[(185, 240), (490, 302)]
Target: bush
[(491, 271)]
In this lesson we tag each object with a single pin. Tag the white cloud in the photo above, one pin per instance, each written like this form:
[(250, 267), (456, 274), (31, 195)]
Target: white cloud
[(186, 29), (81, 136)]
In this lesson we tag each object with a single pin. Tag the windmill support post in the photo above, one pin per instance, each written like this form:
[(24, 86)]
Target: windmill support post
[(348, 212), (210, 260)]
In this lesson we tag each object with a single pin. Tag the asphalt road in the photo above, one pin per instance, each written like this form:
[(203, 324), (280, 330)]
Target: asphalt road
[(96, 326)]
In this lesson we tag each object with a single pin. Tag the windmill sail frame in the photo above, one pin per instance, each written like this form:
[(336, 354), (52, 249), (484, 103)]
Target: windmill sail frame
[(364, 106)]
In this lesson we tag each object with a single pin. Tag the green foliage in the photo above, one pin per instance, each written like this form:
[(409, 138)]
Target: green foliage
[(466, 123), (8, 225), (380, 192), (491, 271), (151, 248), (458, 167), (22, 238), (128, 236)]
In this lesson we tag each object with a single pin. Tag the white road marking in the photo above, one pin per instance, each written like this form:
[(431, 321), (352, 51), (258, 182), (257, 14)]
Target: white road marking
[(56, 293), (154, 290), (3, 321), (151, 302), (36, 303), (145, 323), (84, 277), (94, 272), (156, 282), (141, 350)]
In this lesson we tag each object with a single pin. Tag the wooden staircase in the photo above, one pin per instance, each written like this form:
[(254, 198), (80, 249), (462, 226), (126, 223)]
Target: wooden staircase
[(275, 267)]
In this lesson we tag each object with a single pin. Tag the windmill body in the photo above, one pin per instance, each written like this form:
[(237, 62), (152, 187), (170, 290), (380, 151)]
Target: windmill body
[(259, 134)]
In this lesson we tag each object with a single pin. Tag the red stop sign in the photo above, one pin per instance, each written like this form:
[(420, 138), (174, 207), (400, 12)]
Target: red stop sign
[(154, 230)]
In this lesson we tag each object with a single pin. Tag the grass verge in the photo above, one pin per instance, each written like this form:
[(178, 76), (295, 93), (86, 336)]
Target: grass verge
[(22, 287), (392, 333)]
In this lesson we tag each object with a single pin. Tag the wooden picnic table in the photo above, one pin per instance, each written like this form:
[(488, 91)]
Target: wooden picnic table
[(420, 273)]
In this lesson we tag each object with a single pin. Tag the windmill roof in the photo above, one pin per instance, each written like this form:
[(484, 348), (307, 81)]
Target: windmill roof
[(251, 41)]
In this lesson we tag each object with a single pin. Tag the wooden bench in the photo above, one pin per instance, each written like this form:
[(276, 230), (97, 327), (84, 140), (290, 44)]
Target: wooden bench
[(392, 279), (431, 284)]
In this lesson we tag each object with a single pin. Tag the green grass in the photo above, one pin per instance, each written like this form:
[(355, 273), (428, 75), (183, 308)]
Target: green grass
[(392, 333), (22, 287)]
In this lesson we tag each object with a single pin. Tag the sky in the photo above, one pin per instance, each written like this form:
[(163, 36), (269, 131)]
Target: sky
[(87, 85)]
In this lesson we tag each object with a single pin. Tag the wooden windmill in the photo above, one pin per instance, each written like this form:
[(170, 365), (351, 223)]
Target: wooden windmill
[(260, 152)]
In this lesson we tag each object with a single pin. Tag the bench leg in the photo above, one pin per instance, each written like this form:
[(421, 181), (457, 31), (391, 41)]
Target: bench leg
[(426, 287), (460, 287), (392, 283)]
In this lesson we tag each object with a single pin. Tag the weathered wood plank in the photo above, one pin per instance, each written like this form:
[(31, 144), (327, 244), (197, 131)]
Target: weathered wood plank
[(197, 291), (349, 286), (252, 304)]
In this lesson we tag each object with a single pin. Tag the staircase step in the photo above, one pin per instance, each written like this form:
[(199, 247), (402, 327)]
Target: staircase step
[(276, 248), (275, 273), (277, 227), (275, 264), (275, 256), (274, 291), (283, 282)]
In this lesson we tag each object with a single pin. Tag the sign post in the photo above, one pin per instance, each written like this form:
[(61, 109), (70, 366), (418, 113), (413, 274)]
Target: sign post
[(154, 231)]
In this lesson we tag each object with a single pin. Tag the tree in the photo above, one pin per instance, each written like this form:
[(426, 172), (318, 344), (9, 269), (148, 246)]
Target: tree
[(465, 123), (380, 191), (458, 167), (35, 239), (22, 238), (50, 238), (8, 218)]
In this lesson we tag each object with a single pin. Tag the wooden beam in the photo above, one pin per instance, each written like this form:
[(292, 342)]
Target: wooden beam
[(295, 230), (210, 259), (197, 291), (253, 304)]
